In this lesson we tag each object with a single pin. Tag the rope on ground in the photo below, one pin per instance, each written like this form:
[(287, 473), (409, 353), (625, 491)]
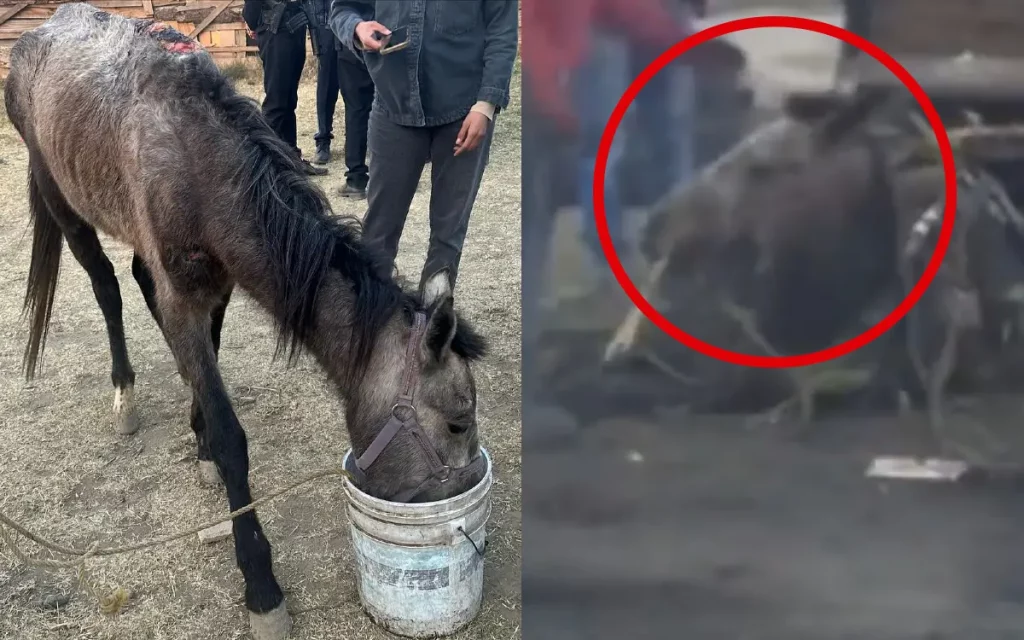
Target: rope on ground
[(113, 602)]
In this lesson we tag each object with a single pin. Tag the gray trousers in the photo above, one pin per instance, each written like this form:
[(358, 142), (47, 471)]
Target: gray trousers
[(399, 155)]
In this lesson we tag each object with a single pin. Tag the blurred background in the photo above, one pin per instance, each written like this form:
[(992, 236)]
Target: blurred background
[(773, 192)]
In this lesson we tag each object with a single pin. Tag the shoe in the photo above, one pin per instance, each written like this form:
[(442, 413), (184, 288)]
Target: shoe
[(352, 191), (311, 170), (323, 155)]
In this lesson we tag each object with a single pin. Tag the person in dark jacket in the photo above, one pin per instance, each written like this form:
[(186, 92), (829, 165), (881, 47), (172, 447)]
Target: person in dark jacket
[(280, 27), (435, 102)]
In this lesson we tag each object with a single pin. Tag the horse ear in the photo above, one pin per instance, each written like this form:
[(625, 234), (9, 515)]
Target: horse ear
[(441, 320), (435, 288)]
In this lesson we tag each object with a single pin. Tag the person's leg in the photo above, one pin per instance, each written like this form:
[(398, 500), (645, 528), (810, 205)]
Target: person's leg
[(326, 95), (283, 55), (399, 155), (454, 182), (598, 87), (542, 421), (357, 93), (664, 128)]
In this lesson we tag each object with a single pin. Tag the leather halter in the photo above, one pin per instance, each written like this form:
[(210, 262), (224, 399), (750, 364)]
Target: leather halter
[(405, 420)]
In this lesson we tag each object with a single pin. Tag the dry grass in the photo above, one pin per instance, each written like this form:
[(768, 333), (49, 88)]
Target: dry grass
[(67, 475)]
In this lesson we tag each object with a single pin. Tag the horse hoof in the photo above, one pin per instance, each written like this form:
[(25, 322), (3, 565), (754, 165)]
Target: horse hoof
[(208, 473), (275, 624), (126, 419)]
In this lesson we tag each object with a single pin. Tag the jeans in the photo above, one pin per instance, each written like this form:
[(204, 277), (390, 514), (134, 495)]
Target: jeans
[(283, 55), (357, 93), (597, 88), (400, 154), (664, 126), (326, 87)]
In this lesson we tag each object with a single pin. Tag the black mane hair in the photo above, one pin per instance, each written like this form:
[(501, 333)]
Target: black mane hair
[(304, 238)]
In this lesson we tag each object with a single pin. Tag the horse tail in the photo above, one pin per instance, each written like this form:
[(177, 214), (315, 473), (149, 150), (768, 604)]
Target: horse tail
[(44, 268)]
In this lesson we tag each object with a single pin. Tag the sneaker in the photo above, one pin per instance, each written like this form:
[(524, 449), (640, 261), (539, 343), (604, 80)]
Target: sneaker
[(311, 170), (323, 155), (352, 191)]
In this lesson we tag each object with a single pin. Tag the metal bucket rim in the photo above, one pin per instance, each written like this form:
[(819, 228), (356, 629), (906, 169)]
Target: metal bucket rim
[(471, 497)]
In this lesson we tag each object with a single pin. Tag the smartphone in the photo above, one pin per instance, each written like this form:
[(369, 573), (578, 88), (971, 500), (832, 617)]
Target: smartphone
[(398, 40)]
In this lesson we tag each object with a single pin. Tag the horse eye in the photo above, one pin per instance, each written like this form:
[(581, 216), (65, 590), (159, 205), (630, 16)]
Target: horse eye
[(457, 429)]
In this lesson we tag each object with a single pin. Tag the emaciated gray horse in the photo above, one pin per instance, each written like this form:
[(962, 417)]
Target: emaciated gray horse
[(133, 131)]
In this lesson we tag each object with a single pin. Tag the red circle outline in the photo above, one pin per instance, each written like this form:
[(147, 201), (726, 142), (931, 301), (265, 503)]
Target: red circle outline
[(775, 362)]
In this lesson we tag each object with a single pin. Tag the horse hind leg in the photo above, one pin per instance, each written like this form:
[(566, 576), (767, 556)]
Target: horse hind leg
[(85, 246)]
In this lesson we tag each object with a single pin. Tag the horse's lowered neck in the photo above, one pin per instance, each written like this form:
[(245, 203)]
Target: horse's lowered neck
[(333, 333)]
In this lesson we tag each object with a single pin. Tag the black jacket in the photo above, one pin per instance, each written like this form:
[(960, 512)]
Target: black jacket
[(460, 52)]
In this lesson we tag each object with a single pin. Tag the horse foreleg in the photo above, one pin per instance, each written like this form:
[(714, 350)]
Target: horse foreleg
[(208, 473), (188, 325)]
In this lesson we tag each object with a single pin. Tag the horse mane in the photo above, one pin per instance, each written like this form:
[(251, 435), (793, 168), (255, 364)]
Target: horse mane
[(304, 239)]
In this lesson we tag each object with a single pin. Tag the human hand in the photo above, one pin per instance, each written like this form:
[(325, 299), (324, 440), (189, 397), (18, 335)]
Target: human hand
[(472, 133), (365, 34)]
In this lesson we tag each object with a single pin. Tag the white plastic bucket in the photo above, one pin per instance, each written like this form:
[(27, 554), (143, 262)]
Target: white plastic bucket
[(417, 574)]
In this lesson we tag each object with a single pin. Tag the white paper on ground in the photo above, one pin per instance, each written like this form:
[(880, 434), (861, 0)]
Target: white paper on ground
[(905, 468)]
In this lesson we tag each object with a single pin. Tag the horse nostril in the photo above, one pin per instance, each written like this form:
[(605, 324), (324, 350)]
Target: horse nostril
[(457, 429)]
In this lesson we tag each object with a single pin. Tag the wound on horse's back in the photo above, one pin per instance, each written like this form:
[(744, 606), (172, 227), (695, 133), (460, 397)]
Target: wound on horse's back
[(169, 38)]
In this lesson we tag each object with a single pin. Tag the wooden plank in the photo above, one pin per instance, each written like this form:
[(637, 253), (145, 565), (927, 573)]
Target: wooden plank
[(14, 29), (221, 6), (9, 12), (226, 26), (216, 533), (147, 5), (222, 39), (234, 50), (194, 14), (22, 24), (116, 4)]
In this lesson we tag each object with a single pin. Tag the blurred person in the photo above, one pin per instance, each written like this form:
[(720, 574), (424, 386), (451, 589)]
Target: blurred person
[(559, 69), (664, 116), (435, 102), (584, 64), (280, 29)]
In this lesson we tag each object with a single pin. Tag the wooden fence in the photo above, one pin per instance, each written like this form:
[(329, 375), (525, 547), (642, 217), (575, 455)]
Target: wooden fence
[(216, 24)]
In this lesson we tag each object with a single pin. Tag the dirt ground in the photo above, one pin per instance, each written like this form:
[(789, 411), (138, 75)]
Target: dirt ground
[(68, 476)]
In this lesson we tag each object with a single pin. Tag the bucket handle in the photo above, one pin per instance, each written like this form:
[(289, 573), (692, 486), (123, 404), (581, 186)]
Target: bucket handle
[(480, 552)]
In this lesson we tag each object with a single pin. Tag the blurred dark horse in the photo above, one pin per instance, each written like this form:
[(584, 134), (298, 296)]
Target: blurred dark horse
[(804, 227), (133, 132)]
